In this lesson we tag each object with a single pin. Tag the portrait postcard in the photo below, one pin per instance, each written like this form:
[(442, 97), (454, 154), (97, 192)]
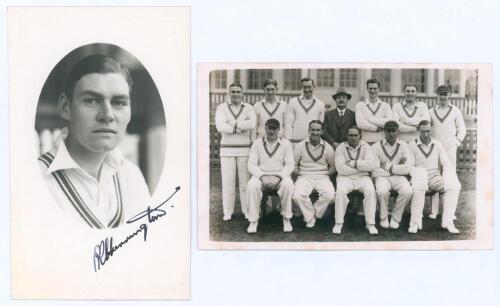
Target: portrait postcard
[(99, 128), (345, 156)]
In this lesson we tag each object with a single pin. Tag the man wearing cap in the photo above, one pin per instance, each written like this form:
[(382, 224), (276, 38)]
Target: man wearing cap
[(448, 127), (271, 163), (269, 107), (338, 120), (448, 124), (354, 161), (409, 113), (235, 121), (393, 163), (371, 115), (301, 111), (314, 164), (438, 175)]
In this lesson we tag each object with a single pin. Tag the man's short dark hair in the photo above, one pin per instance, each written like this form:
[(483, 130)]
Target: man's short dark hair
[(391, 125), (96, 63), (317, 122), (372, 81), (423, 122), (307, 79), (236, 84), (354, 127), (273, 124), (270, 82), (410, 85)]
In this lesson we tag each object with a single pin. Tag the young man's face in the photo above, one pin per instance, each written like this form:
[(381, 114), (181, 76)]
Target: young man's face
[(307, 89), (315, 132), (443, 99), (425, 133), (272, 133), (391, 135), (270, 91), (410, 93), (99, 111), (353, 137), (236, 94), (373, 90)]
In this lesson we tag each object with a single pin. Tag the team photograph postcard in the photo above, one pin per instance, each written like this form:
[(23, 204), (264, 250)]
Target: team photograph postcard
[(99, 102), (348, 156)]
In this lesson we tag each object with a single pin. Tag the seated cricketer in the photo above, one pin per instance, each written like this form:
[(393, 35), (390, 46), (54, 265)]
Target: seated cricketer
[(354, 160), (314, 163), (271, 164), (85, 172), (394, 162), (433, 171)]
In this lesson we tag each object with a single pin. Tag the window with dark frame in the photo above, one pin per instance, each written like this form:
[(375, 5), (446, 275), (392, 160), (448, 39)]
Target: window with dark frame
[(256, 77), (348, 78), (384, 77), (414, 76), (219, 79), (325, 77), (452, 80)]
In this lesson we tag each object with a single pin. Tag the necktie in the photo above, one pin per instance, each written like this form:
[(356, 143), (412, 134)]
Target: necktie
[(341, 114)]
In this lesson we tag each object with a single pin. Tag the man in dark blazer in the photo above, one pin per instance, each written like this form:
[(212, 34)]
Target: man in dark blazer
[(338, 120)]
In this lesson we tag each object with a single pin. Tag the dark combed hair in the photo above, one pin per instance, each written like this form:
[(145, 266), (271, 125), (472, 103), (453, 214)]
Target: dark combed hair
[(354, 127), (410, 85), (270, 82), (236, 84), (423, 122), (315, 121), (373, 81), (307, 79), (96, 63)]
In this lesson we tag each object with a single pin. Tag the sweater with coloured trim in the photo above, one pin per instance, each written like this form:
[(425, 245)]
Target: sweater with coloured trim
[(235, 125), (397, 158), (408, 118), (354, 162), (300, 112), (371, 117), (311, 160), (448, 125)]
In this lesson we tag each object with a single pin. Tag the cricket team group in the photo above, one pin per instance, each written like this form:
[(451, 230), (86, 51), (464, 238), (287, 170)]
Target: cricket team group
[(296, 148)]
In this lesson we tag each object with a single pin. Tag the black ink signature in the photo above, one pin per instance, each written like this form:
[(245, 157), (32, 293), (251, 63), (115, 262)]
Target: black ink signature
[(105, 249)]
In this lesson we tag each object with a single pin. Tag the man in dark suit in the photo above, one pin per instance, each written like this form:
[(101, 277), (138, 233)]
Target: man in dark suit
[(338, 120)]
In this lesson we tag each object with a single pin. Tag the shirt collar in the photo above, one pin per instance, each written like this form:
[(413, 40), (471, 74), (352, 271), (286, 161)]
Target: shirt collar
[(302, 98), (265, 140), (386, 143), (63, 160), (350, 148), (276, 100), (321, 141), (368, 101), (405, 103), (438, 106), (343, 111), (419, 142)]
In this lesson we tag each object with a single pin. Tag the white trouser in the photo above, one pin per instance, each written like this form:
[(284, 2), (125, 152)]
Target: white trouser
[(304, 185), (363, 184), (230, 166), (419, 184), (452, 154), (383, 186), (450, 199), (254, 196)]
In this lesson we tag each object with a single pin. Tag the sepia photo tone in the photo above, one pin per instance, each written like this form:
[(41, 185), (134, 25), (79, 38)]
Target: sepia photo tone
[(416, 131), (99, 120)]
